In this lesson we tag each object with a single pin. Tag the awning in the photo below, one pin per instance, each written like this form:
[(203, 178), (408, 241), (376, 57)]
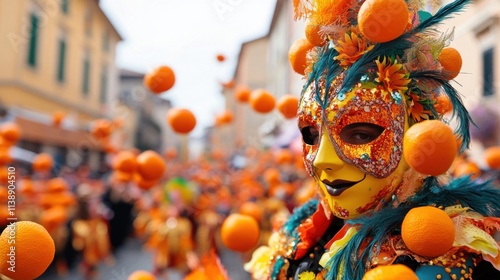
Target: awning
[(34, 131)]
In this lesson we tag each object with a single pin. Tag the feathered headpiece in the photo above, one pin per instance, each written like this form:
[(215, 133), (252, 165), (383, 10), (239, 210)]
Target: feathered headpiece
[(391, 43)]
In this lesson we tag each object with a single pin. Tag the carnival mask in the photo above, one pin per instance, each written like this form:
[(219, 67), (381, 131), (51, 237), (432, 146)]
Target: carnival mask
[(353, 146)]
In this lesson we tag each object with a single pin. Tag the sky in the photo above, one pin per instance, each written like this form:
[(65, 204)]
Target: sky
[(187, 35)]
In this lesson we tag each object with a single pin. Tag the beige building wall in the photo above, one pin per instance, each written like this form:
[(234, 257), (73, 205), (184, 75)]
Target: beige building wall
[(85, 29), (33, 91), (251, 71), (263, 63), (477, 29)]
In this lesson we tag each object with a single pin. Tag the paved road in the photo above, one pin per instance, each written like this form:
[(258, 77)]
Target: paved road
[(132, 257)]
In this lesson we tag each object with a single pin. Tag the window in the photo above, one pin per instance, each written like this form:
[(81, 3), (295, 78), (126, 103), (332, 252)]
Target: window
[(86, 76), (104, 85), (65, 6), (488, 72), (105, 40), (33, 40), (88, 22), (61, 60)]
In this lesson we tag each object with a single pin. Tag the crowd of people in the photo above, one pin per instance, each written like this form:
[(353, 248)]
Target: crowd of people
[(92, 213)]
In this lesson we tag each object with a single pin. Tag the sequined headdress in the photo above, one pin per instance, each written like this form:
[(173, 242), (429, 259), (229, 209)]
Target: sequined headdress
[(398, 50)]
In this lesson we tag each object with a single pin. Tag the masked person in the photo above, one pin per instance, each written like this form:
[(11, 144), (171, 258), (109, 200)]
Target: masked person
[(362, 94)]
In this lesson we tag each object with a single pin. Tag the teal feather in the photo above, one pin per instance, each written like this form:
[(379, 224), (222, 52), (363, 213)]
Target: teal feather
[(300, 214), (277, 267), (326, 62), (482, 197), (460, 113), (290, 229), (378, 226), (442, 14)]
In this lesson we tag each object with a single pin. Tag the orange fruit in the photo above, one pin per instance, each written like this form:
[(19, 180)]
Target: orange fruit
[(53, 217), (221, 57), (430, 147), (171, 153), (57, 118), (252, 209), (34, 250), (142, 183), (102, 128), (57, 184), (224, 118), (242, 93), (4, 176), (181, 120), (118, 176), (451, 61), (4, 143), (228, 85), (428, 231), (467, 169), (150, 165), (272, 176), (390, 272), (383, 20), (125, 162), (4, 156), (297, 55), (492, 157), (443, 104), (262, 101), (42, 162), (141, 275), (313, 36), (160, 79), (288, 106), (240, 232), (10, 132)]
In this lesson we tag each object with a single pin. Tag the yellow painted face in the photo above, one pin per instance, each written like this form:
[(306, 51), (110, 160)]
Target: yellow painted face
[(349, 191), (353, 146)]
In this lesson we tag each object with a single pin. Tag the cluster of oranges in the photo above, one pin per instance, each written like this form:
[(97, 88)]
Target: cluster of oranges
[(145, 169), (183, 121)]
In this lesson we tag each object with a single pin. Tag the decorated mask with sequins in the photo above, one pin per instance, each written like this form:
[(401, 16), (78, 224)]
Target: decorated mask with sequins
[(353, 143)]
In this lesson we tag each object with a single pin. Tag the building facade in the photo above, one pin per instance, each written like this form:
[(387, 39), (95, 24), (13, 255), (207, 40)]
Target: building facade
[(477, 38), (58, 56), (263, 64)]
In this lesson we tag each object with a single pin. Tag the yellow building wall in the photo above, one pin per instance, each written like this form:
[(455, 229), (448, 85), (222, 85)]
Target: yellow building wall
[(54, 24)]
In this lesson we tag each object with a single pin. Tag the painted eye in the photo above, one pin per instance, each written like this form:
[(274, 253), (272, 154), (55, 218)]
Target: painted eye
[(360, 133), (310, 135)]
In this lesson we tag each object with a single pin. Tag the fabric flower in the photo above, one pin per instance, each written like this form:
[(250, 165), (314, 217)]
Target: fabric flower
[(474, 231), (416, 109), (258, 266), (351, 48), (392, 75)]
